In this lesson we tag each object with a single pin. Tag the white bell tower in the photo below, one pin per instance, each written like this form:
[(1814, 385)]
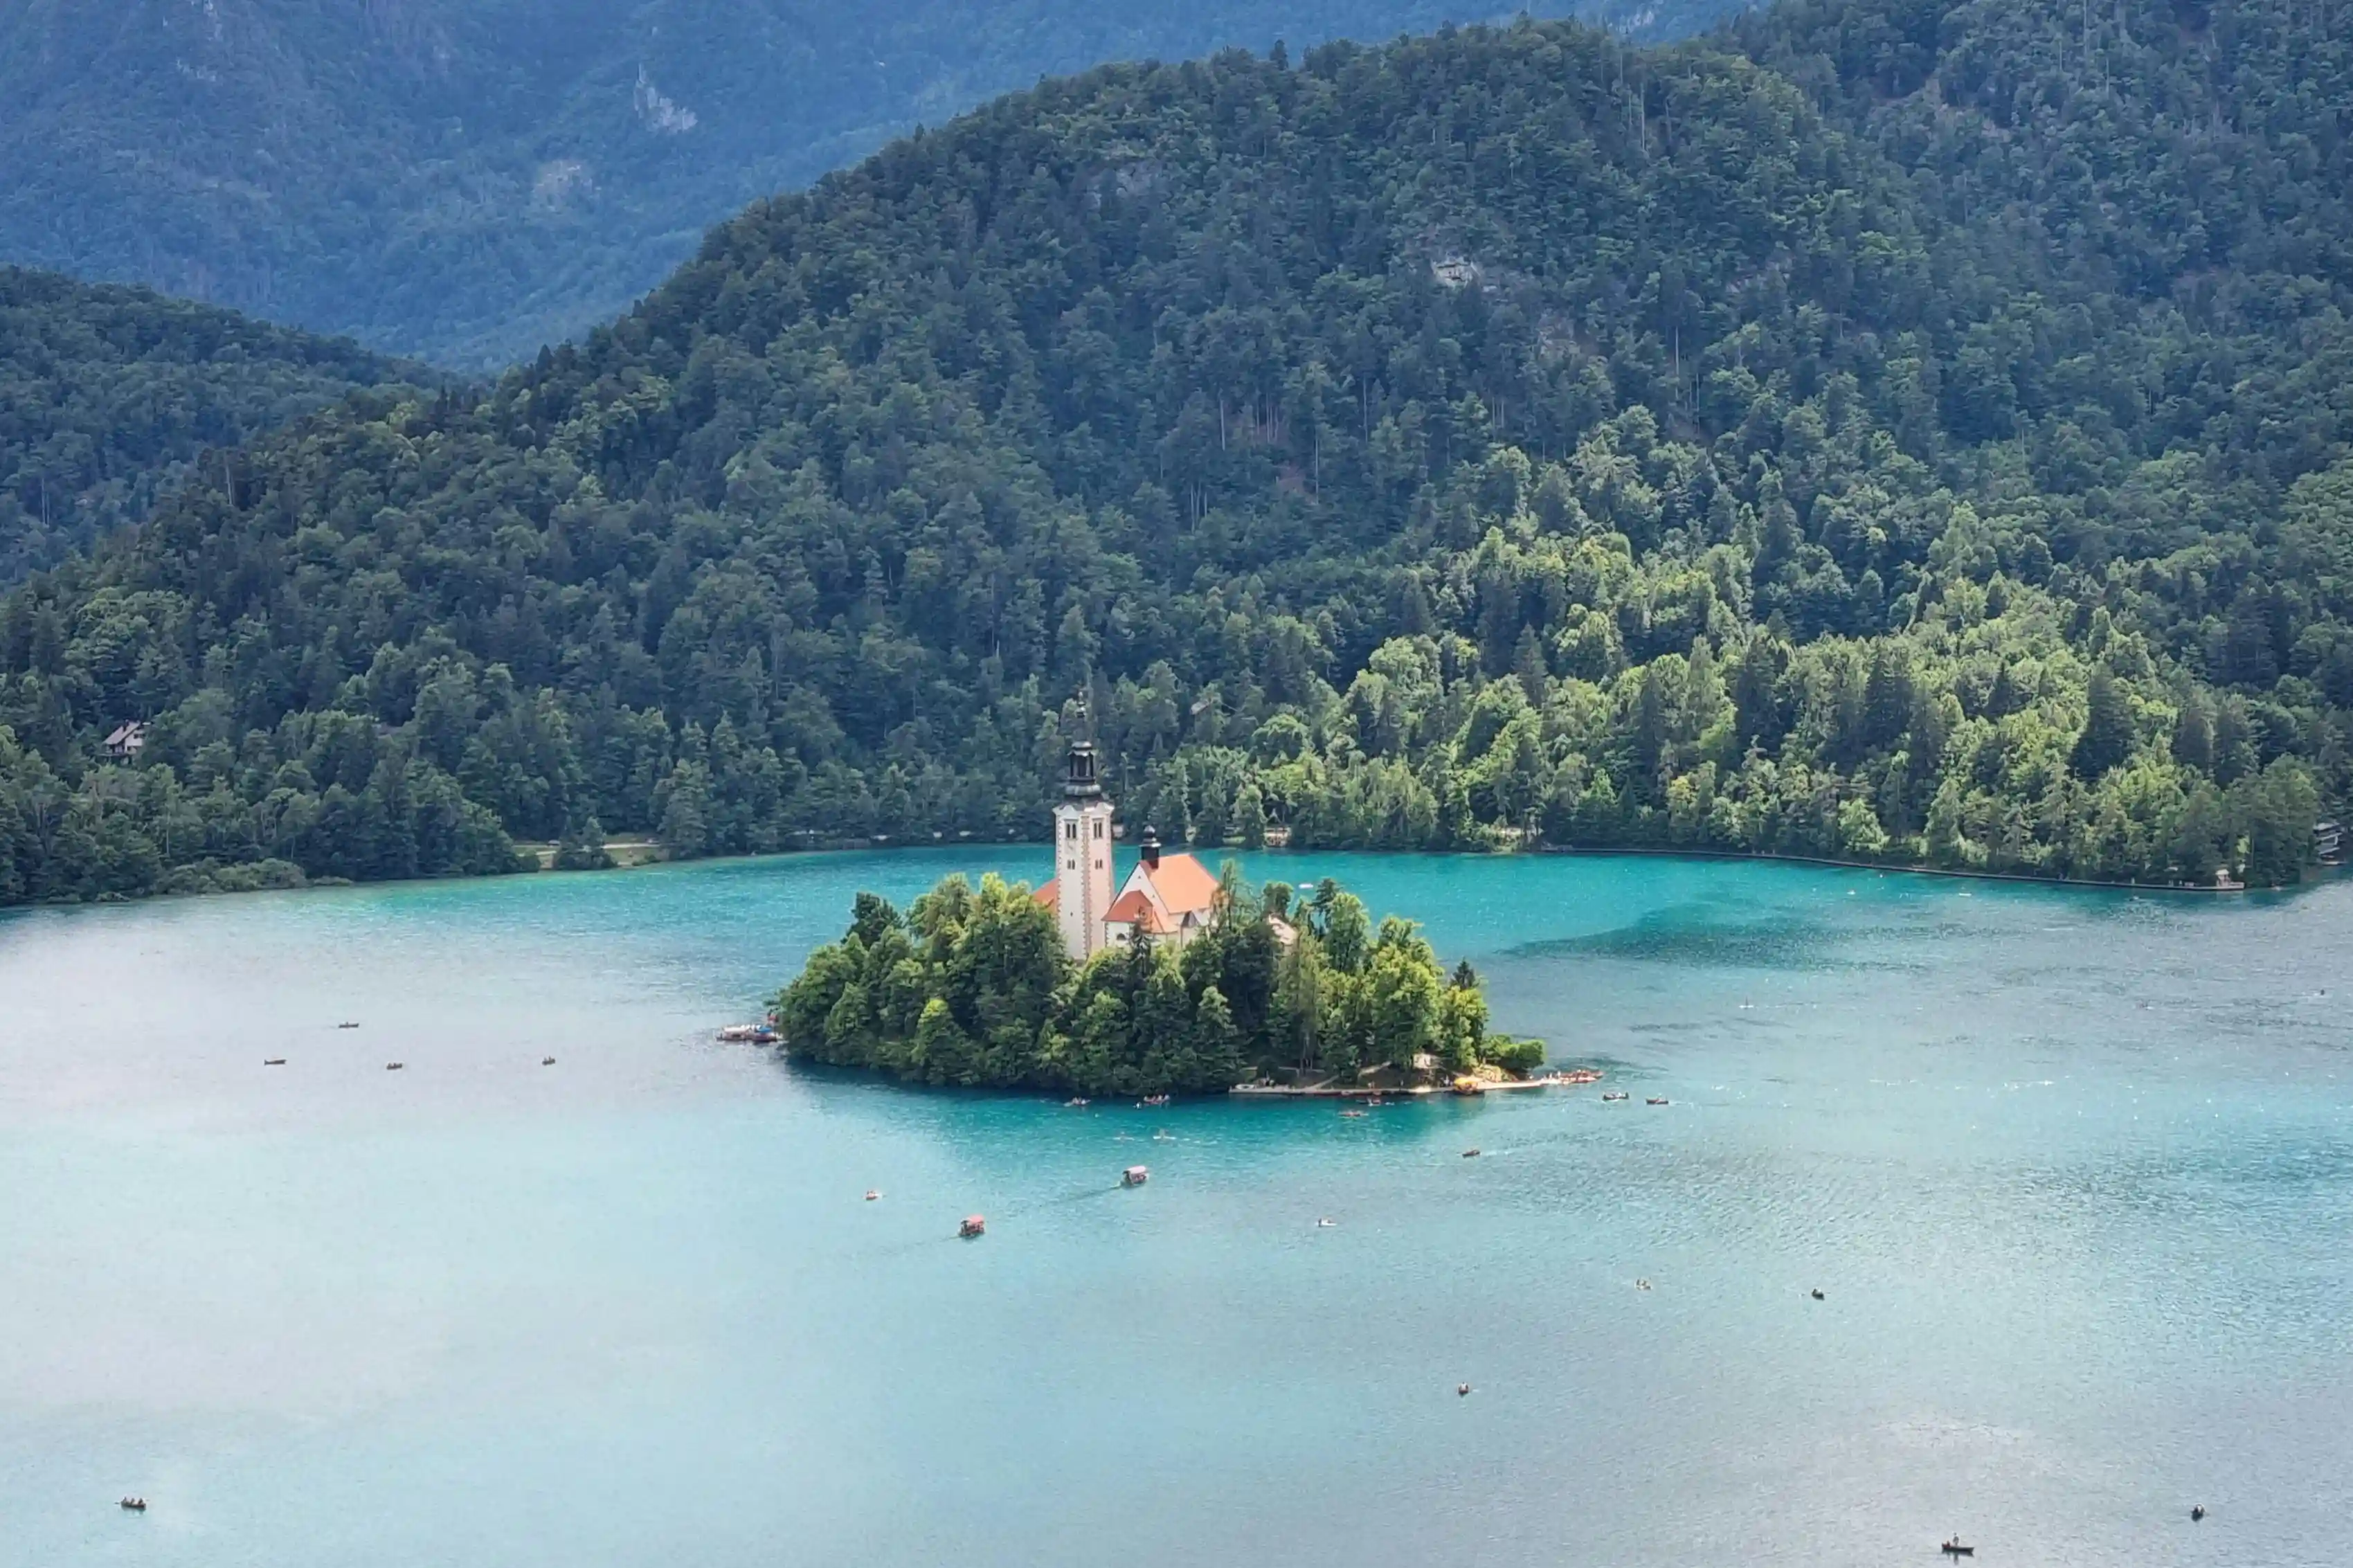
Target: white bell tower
[(1082, 854)]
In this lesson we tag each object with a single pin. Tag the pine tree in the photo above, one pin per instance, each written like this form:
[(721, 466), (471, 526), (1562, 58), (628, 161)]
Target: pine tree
[(2107, 740)]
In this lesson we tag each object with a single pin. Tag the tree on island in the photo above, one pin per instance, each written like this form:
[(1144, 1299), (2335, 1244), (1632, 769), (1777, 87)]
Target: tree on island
[(972, 988)]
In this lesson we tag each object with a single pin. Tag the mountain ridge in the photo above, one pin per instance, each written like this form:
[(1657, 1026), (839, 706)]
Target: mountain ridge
[(108, 393), (466, 183), (1501, 435)]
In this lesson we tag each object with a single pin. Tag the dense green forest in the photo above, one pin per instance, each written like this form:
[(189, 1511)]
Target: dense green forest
[(106, 393), (974, 988), (1896, 431), (465, 180)]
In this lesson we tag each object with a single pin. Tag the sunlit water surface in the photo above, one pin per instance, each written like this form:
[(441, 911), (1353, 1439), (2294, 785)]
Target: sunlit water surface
[(2074, 1170)]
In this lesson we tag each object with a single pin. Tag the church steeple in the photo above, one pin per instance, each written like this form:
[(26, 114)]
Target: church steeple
[(1079, 780), (1083, 846)]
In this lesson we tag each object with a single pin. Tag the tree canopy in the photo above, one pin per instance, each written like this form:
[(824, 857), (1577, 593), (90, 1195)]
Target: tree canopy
[(107, 395), (1800, 440)]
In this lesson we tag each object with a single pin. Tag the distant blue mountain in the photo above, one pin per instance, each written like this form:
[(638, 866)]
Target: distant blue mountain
[(465, 180)]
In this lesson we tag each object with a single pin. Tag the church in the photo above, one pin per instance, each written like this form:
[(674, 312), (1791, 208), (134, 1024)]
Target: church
[(1166, 898)]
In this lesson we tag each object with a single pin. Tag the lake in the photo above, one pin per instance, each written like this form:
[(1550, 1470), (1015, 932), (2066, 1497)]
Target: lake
[(2073, 1169)]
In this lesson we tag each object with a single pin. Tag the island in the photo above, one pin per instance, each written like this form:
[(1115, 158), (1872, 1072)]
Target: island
[(1172, 982), (973, 987)]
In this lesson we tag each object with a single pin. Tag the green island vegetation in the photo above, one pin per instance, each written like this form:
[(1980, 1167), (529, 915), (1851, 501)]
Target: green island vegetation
[(973, 988), (107, 394), (465, 180), (1895, 430)]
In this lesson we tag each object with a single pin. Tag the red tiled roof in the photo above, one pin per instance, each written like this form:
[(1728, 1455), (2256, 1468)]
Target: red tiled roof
[(1183, 885), (1132, 908), (1045, 893)]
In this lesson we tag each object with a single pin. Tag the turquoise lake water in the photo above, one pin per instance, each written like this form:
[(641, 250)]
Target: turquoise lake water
[(2073, 1169)]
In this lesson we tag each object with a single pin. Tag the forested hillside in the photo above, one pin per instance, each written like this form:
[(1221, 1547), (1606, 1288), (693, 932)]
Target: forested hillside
[(1882, 431), (106, 394), (465, 180)]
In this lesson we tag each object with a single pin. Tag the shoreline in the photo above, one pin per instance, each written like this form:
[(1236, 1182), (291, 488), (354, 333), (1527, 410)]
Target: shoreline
[(1060, 1099), (1675, 852), (2319, 874), (1569, 1079)]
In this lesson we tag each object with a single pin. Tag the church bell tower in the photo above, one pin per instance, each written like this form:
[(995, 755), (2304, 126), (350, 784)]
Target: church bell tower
[(1082, 854)]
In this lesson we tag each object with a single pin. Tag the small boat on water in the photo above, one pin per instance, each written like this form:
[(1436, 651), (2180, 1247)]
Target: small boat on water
[(1816, 1293), (1656, 1099), (547, 1061), (1613, 1094), (347, 1026), (393, 1066), (1352, 1113), (1135, 1176), (1152, 1102), (749, 1034), (273, 1061), (1954, 1548), (135, 1504), (973, 1225), (1470, 1153), (1074, 1103), (872, 1194)]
